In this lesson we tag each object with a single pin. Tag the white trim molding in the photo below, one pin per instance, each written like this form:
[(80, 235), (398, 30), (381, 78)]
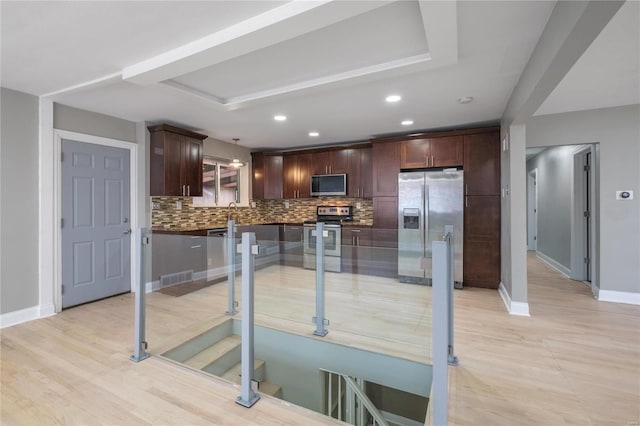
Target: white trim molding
[(619, 297), (554, 264), (514, 308), (27, 314)]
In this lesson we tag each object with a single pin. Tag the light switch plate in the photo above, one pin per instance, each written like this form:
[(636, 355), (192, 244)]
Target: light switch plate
[(253, 204), (624, 195), (358, 206), (178, 205), (155, 205), (286, 204)]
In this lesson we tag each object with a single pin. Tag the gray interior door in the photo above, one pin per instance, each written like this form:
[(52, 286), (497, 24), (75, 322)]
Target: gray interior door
[(96, 260)]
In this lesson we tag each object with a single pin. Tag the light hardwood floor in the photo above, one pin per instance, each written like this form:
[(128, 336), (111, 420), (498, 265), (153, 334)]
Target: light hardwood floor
[(574, 361)]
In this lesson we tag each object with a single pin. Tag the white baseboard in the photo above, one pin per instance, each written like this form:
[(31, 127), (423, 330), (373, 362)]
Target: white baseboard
[(520, 308), (555, 265), (24, 315), (506, 299), (46, 310), (514, 308), (619, 297)]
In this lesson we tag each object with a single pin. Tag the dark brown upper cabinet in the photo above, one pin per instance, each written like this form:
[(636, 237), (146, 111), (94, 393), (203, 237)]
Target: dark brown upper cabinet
[(386, 166), (446, 151), (335, 161), (266, 178), (482, 163), (176, 161), (296, 175), (359, 173)]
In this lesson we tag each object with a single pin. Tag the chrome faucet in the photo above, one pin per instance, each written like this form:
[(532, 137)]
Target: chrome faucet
[(229, 214)]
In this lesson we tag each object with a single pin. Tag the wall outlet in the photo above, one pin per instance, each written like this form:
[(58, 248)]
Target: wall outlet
[(624, 195), (286, 204), (505, 144), (253, 204), (178, 205), (358, 206), (155, 205)]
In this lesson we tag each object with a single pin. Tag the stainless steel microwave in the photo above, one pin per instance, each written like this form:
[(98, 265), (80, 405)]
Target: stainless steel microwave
[(328, 185)]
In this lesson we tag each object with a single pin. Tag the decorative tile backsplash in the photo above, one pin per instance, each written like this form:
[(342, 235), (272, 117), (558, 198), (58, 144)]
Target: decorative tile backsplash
[(167, 216)]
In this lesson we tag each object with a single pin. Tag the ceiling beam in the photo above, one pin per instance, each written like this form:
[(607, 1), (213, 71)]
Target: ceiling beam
[(282, 23), (570, 30), (440, 20), (355, 76)]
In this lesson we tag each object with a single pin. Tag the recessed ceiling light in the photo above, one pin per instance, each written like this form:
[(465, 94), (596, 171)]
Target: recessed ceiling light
[(314, 134), (465, 99), (393, 98), (407, 122), (280, 117)]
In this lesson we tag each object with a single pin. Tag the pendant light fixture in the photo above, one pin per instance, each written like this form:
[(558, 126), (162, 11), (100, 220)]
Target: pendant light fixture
[(236, 162)]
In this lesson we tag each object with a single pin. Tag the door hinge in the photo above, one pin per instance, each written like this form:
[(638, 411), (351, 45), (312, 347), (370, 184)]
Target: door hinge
[(587, 214), (61, 222), (587, 168), (535, 238), (587, 260), (62, 288)]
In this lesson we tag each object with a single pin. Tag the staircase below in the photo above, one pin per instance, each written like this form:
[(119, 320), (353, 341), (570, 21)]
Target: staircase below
[(217, 352)]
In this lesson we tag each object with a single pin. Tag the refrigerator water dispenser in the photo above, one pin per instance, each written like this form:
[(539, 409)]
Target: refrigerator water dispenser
[(411, 218)]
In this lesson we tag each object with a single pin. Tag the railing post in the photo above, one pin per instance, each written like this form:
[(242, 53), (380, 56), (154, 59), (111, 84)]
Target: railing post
[(452, 359), (231, 269), (440, 308), (248, 396), (139, 343), (319, 320)]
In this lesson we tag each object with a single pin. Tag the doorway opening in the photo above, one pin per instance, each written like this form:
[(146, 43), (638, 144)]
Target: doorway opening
[(532, 210), (94, 240), (562, 209)]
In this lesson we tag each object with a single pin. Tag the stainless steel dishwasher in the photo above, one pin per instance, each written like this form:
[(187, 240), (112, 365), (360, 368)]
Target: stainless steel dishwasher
[(216, 254)]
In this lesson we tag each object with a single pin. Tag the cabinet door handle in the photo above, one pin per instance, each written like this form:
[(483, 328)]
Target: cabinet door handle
[(353, 240), (188, 190), (466, 201), (183, 186), (355, 230), (325, 170), (432, 162), (358, 239), (195, 247)]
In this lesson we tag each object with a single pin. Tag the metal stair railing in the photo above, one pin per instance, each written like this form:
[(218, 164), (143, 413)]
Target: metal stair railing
[(356, 403)]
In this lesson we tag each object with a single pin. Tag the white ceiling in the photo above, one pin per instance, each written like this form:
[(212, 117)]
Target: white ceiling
[(225, 68), (608, 73)]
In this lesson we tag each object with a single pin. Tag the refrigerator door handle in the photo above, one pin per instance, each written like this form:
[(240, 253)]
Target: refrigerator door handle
[(426, 219)]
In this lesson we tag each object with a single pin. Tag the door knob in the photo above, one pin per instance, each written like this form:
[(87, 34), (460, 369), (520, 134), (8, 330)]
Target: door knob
[(128, 231)]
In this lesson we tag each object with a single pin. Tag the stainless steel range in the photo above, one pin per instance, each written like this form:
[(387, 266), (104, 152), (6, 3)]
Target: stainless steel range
[(332, 217)]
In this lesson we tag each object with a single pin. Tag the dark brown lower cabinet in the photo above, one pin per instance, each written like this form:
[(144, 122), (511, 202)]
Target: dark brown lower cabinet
[(481, 264), (370, 251)]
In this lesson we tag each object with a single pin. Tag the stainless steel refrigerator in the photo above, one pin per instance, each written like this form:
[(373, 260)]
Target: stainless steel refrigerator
[(427, 202)]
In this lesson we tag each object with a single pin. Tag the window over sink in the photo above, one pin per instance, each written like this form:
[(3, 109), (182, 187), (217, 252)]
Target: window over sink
[(222, 184)]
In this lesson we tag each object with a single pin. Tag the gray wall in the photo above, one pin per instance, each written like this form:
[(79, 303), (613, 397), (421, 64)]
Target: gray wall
[(618, 132), (19, 201), (92, 123), (293, 362), (555, 173)]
